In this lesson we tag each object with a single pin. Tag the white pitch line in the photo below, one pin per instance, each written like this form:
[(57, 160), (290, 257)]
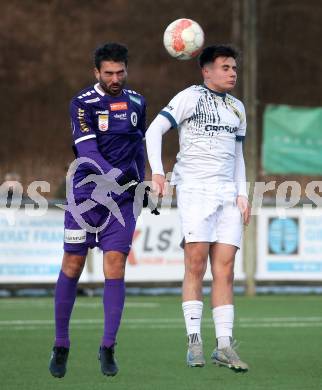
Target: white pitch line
[(145, 305), (278, 322), (279, 319), (93, 321), (210, 326), (160, 326), (13, 304), (283, 325)]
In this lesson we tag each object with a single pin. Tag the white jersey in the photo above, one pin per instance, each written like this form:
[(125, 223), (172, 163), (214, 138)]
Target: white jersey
[(209, 124)]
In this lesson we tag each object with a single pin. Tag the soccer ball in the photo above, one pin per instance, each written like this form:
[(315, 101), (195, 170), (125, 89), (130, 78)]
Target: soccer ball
[(183, 39)]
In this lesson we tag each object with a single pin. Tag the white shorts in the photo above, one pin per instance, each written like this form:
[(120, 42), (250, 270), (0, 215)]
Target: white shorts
[(209, 213)]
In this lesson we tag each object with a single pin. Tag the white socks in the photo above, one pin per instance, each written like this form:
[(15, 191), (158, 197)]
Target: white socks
[(192, 311), (223, 317)]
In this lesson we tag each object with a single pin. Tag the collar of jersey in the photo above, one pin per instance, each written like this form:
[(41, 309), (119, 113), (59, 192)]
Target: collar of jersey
[(97, 89), (221, 94)]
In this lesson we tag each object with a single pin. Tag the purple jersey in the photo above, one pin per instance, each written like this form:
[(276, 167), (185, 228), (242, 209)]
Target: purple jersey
[(109, 130)]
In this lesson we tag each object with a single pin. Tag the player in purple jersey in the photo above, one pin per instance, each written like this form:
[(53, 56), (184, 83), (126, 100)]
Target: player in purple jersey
[(108, 124)]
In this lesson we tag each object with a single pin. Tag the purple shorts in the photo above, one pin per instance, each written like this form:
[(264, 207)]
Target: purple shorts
[(113, 237)]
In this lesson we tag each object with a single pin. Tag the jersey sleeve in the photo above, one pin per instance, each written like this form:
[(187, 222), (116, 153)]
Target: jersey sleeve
[(156, 130), (142, 118), (241, 132), (140, 156), (240, 171), (81, 122), (140, 162), (179, 108)]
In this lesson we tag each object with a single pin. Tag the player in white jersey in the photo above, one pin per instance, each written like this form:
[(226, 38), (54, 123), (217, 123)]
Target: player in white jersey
[(211, 193)]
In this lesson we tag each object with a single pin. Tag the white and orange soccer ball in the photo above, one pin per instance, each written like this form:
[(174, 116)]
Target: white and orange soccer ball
[(183, 39)]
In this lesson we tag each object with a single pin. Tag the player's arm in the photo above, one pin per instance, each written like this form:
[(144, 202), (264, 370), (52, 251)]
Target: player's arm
[(85, 143), (179, 109), (240, 177), (156, 130), (140, 157), (140, 162), (240, 171)]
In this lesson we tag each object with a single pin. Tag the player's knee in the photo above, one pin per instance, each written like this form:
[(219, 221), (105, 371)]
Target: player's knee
[(73, 265), (196, 267), (116, 273), (224, 275), (114, 265), (117, 268)]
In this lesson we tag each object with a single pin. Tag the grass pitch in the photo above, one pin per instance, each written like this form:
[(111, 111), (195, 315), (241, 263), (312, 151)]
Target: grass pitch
[(281, 340)]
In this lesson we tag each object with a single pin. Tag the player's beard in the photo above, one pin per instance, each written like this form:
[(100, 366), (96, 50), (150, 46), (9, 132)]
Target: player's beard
[(113, 89)]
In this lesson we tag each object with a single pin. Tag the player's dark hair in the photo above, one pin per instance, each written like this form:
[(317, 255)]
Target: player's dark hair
[(210, 53), (111, 52)]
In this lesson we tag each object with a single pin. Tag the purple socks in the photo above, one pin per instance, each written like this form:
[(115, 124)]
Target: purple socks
[(114, 296), (65, 294)]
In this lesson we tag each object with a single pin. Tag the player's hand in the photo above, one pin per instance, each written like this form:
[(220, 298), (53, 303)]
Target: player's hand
[(158, 185), (242, 203)]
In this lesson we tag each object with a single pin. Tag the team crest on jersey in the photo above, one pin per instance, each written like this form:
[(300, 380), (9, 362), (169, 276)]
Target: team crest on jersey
[(103, 122), (134, 118)]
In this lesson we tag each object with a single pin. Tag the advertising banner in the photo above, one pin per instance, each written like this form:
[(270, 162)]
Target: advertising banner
[(156, 254), (31, 249), (289, 247)]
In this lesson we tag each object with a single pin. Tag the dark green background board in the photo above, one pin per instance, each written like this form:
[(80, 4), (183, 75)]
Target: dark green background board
[(292, 141)]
